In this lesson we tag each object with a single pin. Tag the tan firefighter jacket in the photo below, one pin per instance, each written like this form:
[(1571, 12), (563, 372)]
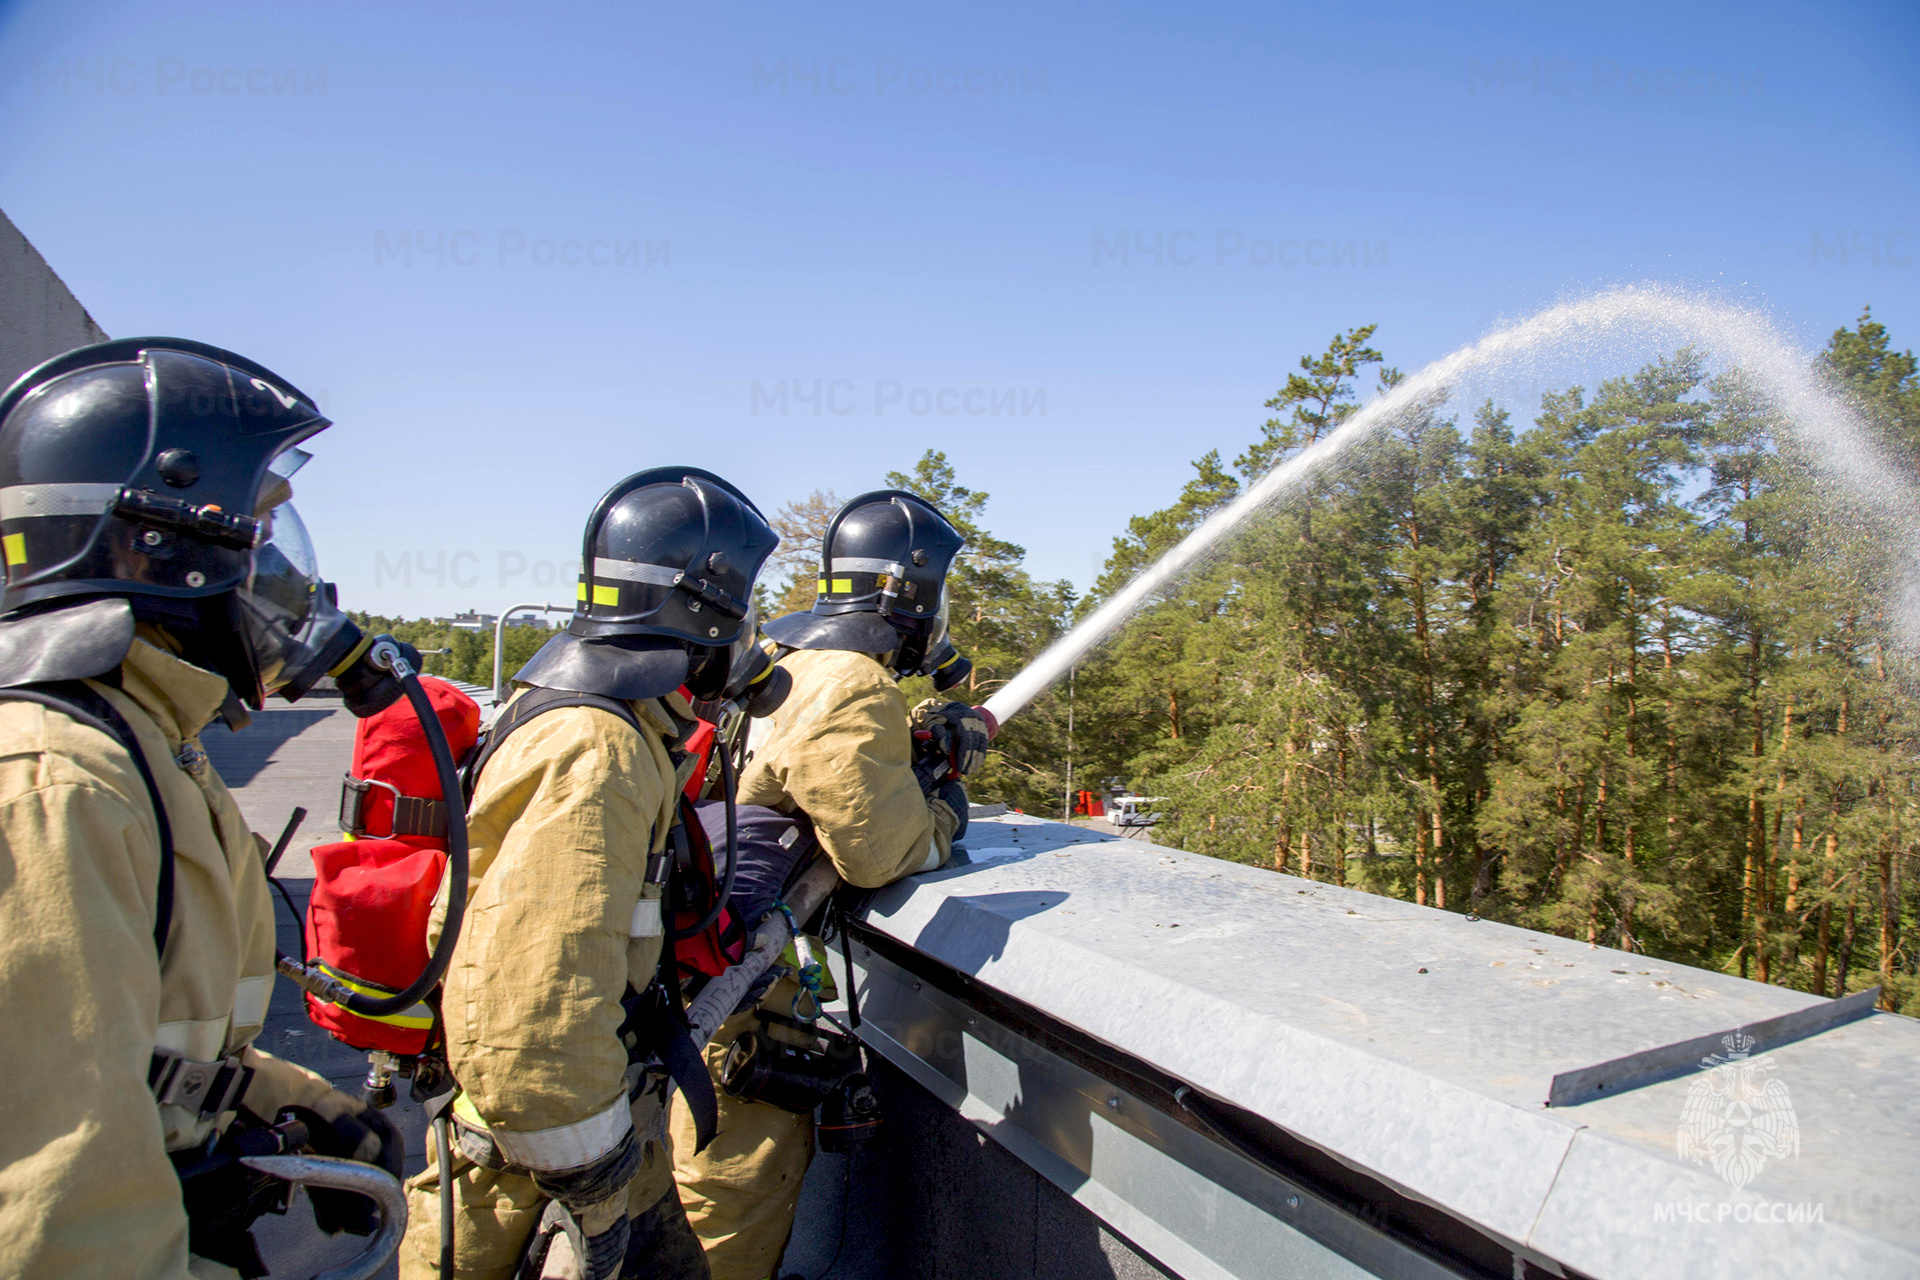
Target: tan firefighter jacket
[(560, 919), (840, 750), (86, 1188)]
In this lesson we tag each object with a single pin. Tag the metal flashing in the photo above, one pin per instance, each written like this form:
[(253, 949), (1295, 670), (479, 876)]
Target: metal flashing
[(1684, 1057)]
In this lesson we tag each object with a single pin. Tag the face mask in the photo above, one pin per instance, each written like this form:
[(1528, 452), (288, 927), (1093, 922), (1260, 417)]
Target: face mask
[(295, 629), (744, 672)]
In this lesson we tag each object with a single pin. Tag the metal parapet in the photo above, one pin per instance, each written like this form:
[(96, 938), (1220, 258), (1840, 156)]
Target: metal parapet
[(1250, 1075)]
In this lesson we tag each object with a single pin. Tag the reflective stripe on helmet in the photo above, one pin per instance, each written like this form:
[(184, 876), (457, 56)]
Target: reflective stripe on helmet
[(864, 564), (568, 1146), (16, 544), (657, 575), (18, 501)]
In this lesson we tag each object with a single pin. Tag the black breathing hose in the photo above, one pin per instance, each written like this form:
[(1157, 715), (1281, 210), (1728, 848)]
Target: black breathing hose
[(733, 853), (449, 773)]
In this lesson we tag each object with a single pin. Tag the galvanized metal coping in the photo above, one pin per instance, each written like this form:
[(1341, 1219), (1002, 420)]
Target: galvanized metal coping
[(1683, 1057)]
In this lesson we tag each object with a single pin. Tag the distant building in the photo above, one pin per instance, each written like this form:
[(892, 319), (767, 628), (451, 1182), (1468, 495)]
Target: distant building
[(472, 621)]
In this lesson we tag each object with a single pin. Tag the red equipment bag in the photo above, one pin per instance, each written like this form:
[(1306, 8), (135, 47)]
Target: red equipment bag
[(373, 892), (724, 942)]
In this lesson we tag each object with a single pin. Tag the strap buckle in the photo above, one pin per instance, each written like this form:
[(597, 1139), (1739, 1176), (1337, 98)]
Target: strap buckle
[(205, 1088), (411, 816)]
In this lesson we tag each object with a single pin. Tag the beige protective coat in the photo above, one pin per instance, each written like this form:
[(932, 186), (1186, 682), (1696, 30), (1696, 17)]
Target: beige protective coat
[(839, 750), (85, 1185), (559, 921)]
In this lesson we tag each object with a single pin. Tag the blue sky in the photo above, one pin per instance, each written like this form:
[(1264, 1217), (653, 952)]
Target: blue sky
[(520, 251)]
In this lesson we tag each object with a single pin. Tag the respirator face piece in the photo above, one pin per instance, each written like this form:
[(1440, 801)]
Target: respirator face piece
[(294, 629), (287, 615), (743, 671), (924, 646)]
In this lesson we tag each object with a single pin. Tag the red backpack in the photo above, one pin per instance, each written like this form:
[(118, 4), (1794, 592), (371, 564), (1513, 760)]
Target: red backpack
[(373, 892)]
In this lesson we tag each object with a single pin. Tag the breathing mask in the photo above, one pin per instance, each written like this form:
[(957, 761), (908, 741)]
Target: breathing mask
[(293, 626)]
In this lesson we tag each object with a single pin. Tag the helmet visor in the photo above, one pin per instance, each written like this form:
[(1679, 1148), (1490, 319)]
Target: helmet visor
[(287, 614), (937, 626)]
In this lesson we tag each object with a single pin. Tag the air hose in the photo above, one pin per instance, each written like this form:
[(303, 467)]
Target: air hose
[(385, 654)]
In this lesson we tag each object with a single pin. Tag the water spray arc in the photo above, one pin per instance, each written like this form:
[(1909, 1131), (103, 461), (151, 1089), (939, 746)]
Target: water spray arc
[(1811, 410)]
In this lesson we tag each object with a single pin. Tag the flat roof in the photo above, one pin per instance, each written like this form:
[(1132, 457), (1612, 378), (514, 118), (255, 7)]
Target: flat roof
[(1420, 1045)]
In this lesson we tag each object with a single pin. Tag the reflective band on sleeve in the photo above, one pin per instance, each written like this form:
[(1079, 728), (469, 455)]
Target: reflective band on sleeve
[(250, 997), (200, 1040), (569, 1146), (933, 857), (19, 501), (658, 575), (646, 919), (865, 564)]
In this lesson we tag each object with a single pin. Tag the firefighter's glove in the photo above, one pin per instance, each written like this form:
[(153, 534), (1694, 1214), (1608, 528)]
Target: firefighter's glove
[(960, 732), (595, 1195), (954, 797), (343, 1126)]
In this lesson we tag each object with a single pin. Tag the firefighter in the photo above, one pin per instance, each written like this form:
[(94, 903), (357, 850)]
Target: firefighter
[(157, 580), (840, 754), (551, 1006)]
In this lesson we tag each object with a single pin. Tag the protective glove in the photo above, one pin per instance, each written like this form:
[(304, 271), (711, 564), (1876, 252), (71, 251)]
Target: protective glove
[(954, 797), (959, 730), (344, 1126), (595, 1195)]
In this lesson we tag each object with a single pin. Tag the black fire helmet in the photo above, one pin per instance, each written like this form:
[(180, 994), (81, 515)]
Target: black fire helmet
[(136, 478), (882, 585), (665, 596)]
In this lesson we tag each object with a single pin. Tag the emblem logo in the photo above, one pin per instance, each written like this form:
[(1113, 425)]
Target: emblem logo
[(1738, 1115)]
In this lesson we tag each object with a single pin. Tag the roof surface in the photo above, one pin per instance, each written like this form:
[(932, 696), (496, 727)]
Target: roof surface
[(1420, 1045)]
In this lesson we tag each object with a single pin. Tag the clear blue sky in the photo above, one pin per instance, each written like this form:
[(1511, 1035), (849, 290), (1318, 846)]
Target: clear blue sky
[(929, 201)]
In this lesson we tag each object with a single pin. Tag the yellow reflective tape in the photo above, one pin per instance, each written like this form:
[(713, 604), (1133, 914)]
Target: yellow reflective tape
[(843, 585), (823, 586), (16, 544), (601, 595), (464, 1108), (418, 1018)]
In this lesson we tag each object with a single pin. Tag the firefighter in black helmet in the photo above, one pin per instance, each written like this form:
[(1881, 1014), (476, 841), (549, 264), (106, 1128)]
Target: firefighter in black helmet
[(552, 1014), (157, 578), (840, 755)]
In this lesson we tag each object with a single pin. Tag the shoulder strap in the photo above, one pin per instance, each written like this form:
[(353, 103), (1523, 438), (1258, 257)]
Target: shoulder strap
[(76, 700), (537, 702)]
